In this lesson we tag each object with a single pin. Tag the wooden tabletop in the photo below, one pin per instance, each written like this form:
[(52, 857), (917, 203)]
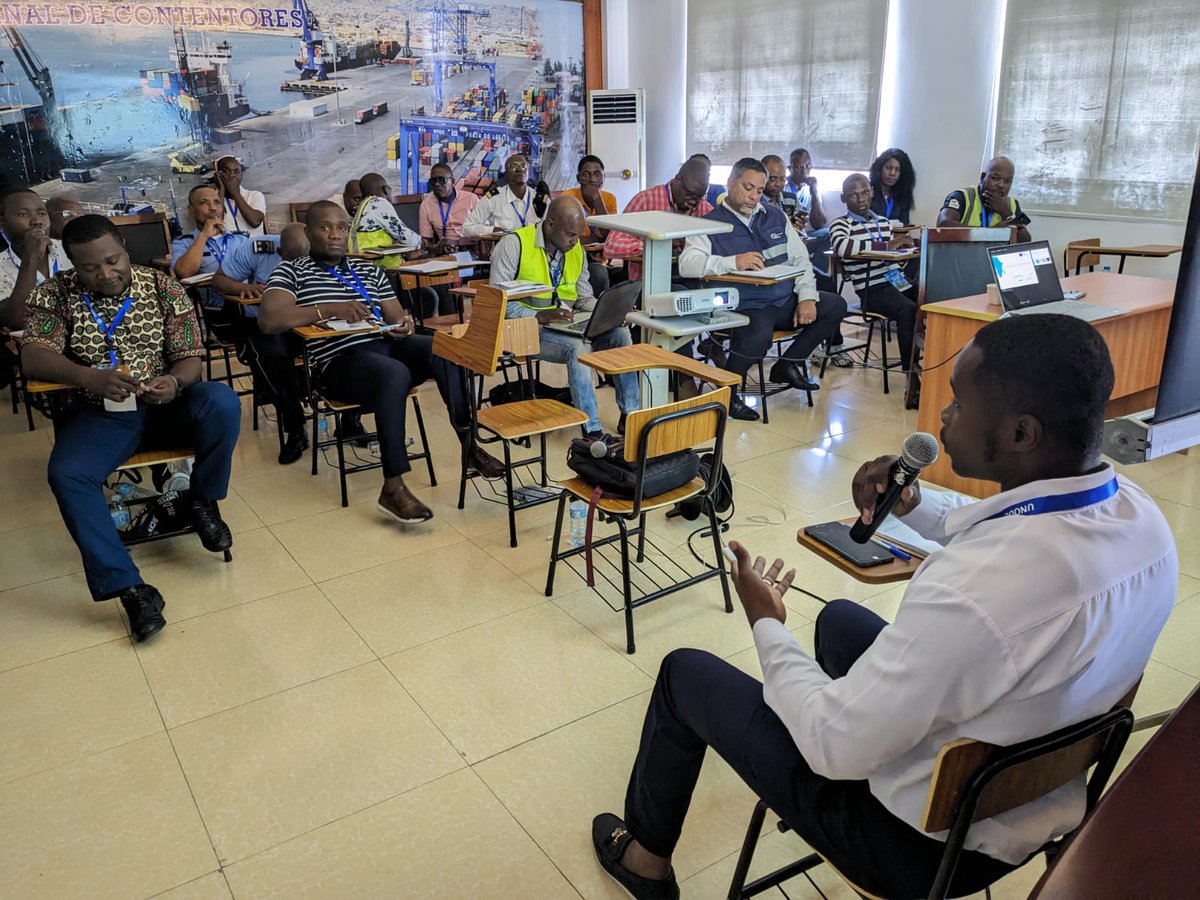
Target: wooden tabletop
[(896, 570), (1154, 251), (44, 387), (747, 279), (637, 357), (319, 333), (1135, 293), (242, 301), (877, 255)]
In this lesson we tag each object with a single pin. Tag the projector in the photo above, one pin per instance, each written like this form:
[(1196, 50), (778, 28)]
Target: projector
[(1138, 438), (691, 303)]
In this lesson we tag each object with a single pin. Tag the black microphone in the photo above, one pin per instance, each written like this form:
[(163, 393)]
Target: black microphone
[(920, 450), (541, 198)]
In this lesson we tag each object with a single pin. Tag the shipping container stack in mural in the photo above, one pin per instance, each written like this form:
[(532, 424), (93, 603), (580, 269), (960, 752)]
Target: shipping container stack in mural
[(199, 86)]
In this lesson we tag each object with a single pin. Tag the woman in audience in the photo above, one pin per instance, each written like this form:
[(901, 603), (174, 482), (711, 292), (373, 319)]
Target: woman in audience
[(892, 183)]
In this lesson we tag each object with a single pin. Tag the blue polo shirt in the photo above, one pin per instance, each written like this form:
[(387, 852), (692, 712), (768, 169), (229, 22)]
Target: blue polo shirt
[(215, 251)]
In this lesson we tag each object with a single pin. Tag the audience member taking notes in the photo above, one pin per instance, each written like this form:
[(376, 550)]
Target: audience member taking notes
[(128, 339), (1040, 611), (374, 369), (763, 240)]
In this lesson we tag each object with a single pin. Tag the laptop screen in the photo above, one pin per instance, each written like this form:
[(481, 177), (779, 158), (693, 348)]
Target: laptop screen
[(1025, 274)]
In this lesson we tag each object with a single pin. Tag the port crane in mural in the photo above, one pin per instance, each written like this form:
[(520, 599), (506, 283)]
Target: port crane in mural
[(313, 43)]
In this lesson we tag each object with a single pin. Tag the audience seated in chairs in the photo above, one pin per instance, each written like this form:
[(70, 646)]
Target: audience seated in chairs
[(123, 333), (375, 223), (893, 180), (31, 256), (349, 197), (549, 252), (763, 236), (374, 370), (1040, 611), (440, 220), (881, 285), (244, 272)]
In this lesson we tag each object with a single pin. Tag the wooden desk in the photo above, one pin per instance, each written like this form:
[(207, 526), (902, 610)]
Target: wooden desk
[(1141, 839), (896, 570), (637, 357), (1136, 341), (242, 301), (746, 279), (1148, 251)]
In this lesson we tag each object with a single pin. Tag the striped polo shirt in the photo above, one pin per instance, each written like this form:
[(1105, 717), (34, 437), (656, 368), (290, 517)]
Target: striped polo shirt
[(312, 283), (851, 235)]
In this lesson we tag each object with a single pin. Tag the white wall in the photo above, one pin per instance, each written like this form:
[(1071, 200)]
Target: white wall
[(937, 103)]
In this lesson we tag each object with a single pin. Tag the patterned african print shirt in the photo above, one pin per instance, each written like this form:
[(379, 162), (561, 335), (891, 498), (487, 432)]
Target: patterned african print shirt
[(159, 330)]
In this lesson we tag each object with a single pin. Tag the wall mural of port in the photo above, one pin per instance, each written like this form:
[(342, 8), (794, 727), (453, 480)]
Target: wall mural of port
[(125, 105)]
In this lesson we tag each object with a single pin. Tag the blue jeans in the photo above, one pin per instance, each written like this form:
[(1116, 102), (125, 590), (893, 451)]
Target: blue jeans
[(90, 443), (563, 348)]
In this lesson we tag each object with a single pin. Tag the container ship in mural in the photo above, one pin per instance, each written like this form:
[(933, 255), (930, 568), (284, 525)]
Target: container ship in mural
[(198, 85), (353, 55)]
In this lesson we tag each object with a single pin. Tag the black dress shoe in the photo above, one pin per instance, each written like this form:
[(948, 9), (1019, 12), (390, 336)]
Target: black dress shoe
[(739, 410), (787, 372), (144, 605), (609, 839), (293, 448), (484, 463), (352, 430), (214, 533)]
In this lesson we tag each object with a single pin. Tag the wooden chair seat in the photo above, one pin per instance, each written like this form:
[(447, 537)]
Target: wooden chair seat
[(622, 507), (783, 335), (525, 418), (155, 457)]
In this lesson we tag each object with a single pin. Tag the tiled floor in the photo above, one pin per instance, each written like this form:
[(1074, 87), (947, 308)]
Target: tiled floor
[(355, 709)]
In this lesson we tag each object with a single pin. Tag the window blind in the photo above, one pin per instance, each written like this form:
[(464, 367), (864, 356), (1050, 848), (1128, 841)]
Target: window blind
[(1098, 105), (766, 77)]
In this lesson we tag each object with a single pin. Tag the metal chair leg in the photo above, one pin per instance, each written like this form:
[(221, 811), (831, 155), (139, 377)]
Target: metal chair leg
[(641, 543), (627, 583), (883, 345), (508, 490), (720, 557), (316, 428), (337, 418), (762, 391), (558, 521), (424, 441), (749, 844)]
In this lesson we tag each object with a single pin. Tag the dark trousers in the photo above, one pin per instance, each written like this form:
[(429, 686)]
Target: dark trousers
[(378, 377), (271, 358), (899, 307), (750, 343), (90, 443), (700, 701)]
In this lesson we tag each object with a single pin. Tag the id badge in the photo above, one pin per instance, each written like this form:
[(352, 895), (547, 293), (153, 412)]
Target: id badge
[(129, 404), (897, 280)]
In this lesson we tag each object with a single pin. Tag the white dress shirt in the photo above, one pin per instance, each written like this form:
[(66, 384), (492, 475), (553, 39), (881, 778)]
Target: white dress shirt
[(1021, 625), (501, 211), (697, 259), (10, 267)]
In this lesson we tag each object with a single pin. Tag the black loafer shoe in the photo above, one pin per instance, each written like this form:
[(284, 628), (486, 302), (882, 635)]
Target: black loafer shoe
[(144, 605), (214, 533), (785, 372), (293, 448), (739, 410), (609, 838), (484, 463)]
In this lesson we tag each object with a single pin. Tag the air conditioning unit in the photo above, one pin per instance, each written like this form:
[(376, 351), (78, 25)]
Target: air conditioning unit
[(617, 134)]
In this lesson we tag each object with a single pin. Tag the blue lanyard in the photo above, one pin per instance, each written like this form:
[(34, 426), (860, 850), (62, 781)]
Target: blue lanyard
[(556, 272), (446, 214), (1058, 503), (890, 201), (866, 223), (110, 328), (17, 263), (984, 215), (212, 245), (357, 286), (232, 207), (528, 200)]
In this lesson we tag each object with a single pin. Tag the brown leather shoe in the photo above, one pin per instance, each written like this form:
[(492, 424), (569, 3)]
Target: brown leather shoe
[(403, 506), (484, 463)]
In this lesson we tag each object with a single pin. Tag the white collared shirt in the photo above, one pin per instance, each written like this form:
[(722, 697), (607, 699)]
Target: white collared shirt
[(1020, 626), (501, 211), (10, 267), (236, 223)]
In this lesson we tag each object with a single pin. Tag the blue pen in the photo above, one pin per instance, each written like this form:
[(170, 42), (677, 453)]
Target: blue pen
[(895, 551)]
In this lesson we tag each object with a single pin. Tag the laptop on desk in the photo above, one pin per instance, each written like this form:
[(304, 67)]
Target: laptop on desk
[(610, 312), (1028, 283)]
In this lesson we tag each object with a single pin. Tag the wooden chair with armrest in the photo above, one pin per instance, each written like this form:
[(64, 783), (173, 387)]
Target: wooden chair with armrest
[(142, 459), (651, 433), (973, 780), (476, 349), (1075, 256)]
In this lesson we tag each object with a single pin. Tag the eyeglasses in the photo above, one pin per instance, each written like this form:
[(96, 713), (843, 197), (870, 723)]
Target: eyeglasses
[(517, 167), (439, 179)]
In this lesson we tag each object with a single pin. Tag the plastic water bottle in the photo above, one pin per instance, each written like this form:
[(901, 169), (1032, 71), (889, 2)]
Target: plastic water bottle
[(126, 489), (322, 428), (119, 513), (578, 514)]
